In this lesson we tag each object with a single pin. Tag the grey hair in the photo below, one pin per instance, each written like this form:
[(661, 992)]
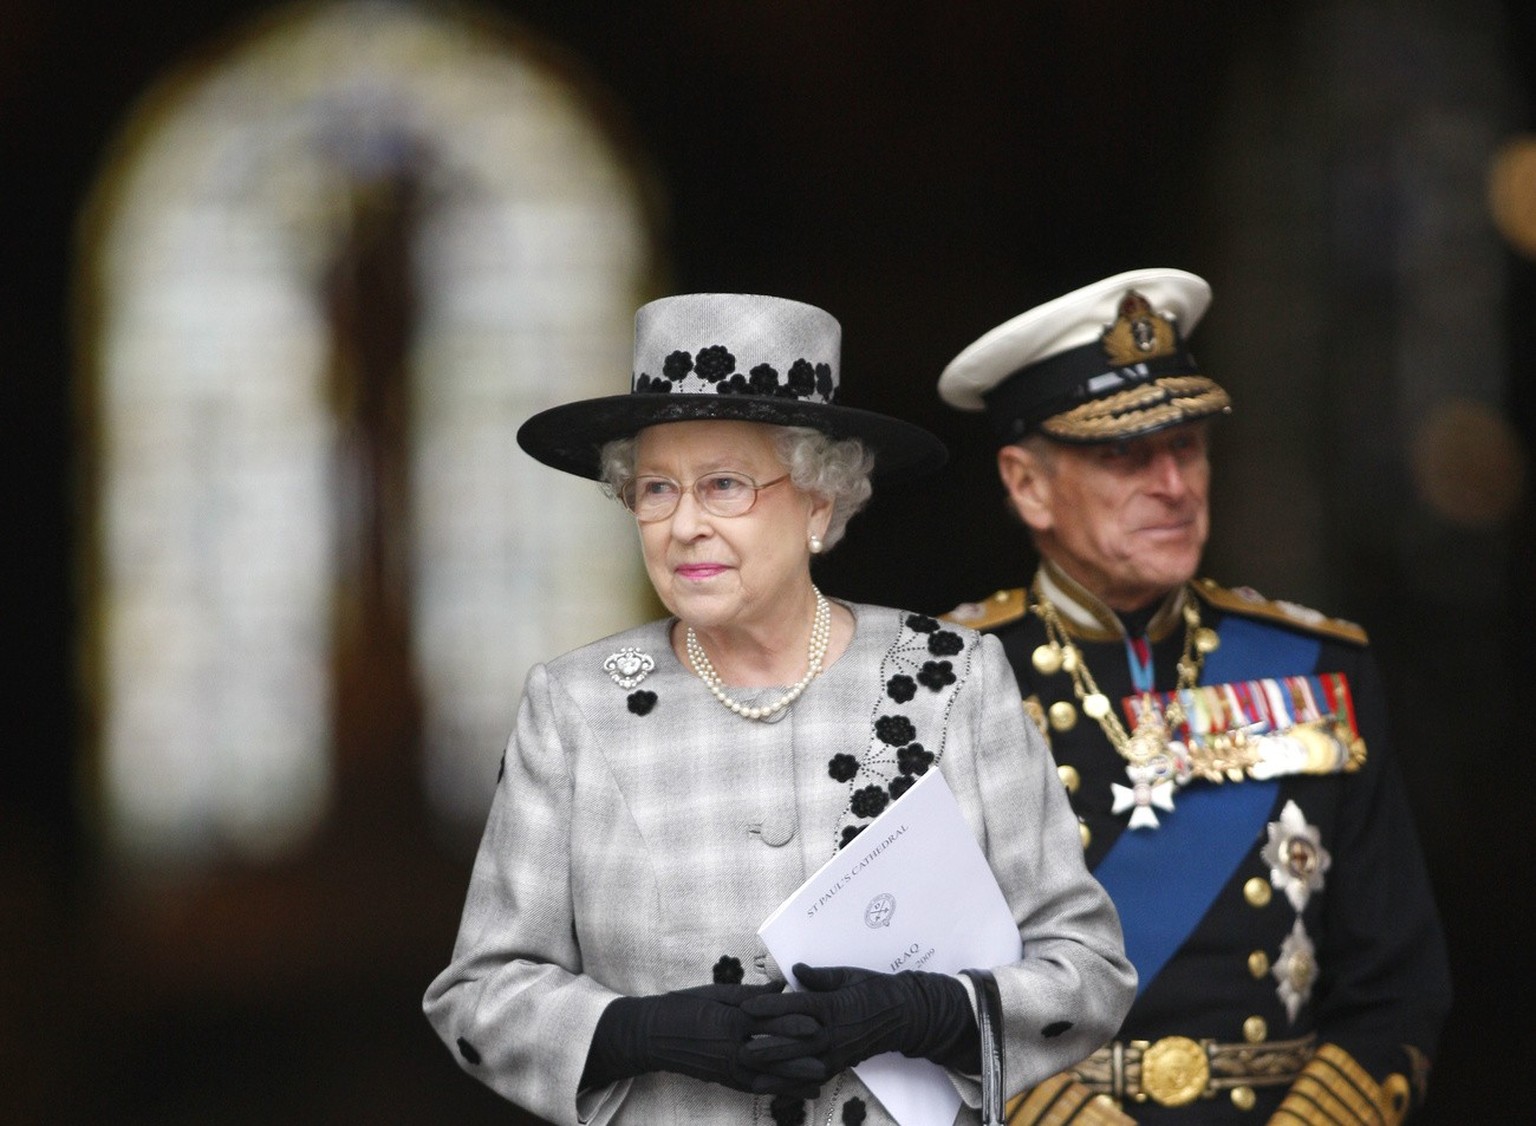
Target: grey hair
[(836, 469), (1043, 448)]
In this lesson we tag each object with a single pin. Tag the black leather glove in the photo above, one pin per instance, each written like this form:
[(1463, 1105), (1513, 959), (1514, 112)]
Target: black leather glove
[(861, 1013), (700, 1032)]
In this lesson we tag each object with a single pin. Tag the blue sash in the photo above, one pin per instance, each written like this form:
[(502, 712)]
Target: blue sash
[(1164, 880)]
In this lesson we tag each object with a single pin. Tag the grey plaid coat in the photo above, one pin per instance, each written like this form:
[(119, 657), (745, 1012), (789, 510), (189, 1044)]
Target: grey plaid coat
[(640, 834)]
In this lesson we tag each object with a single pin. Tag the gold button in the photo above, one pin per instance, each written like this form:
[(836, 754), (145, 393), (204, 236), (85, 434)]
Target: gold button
[(1084, 832), (1046, 659), (1255, 1030), (1257, 892), (1069, 778), (1063, 716), (1243, 1098), (1258, 964)]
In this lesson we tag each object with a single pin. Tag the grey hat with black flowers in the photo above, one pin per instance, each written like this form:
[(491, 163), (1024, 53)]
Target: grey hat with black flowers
[(728, 356)]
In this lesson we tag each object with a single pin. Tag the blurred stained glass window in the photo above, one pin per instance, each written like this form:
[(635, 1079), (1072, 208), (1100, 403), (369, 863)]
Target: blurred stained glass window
[(327, 272)]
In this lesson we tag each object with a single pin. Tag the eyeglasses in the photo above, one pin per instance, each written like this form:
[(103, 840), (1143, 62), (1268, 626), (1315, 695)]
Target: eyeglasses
[(719, 494)]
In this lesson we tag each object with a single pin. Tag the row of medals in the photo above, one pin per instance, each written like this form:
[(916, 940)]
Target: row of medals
[(1153, 757)]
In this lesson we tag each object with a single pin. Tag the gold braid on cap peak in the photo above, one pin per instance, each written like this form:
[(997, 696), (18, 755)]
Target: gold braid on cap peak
[(1162, 402)]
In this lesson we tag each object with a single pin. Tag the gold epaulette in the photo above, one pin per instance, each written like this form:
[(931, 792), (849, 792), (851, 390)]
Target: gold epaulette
[(1250, 603), (1003, 607)]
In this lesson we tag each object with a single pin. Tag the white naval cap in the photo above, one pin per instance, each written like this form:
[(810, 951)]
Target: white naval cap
[(1102, 363)]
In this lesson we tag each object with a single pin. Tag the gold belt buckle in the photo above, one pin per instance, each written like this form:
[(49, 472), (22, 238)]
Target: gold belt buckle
[(1174, 1071)]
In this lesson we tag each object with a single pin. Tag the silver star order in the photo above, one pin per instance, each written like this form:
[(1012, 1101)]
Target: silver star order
[(1296, 970), (1296, 856)]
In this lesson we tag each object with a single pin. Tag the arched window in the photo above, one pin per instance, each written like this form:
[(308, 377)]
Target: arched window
[(327, 273)]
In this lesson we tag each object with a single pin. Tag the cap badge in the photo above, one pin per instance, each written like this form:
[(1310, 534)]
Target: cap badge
[(1138, 334)]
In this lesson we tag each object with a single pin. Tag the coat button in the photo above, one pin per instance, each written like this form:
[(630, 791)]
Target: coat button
[(1063, 716), (1255, 1030), (1257, 892), (1258, 964), (775, 830)]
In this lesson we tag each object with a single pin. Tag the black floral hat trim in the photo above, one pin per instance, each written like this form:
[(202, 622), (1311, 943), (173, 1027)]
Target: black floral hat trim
[(715, 368), (921, 675)]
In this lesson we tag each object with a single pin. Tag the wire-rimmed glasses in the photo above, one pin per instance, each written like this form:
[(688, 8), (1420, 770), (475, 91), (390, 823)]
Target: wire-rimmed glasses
[(722, 493)]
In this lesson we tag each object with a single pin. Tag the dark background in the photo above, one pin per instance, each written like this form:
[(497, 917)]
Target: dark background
[(924, 170)]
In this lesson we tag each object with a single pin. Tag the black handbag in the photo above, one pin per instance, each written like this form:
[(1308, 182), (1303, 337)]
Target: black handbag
[(989, 1009)]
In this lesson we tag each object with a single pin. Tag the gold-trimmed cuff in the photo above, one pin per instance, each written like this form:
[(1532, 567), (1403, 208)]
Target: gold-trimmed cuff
[(1333, 1088), (1061, 1100)]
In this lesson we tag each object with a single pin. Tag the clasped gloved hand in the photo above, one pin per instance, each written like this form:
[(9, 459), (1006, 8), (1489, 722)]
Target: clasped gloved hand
[(861, 1013), (701, 1032)]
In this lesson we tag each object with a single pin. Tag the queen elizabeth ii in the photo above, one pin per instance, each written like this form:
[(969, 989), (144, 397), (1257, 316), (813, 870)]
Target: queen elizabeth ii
[(666, 788)]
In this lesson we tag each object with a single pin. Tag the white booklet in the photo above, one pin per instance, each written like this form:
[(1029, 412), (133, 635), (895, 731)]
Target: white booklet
[(911, 892)]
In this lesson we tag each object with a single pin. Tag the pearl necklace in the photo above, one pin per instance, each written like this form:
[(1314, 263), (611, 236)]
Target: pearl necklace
[(821, 637)]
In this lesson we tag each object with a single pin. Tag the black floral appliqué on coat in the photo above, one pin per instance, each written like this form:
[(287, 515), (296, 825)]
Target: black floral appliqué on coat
[(854, 1112), (936, 675), (787, 1111), (843, 767), (642, 702), (945, 643), (896, 730), (869, 801), (918, 692), (728, 971), (914, 759)]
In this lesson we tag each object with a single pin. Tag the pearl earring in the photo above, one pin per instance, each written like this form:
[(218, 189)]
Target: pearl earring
[(815, 544)]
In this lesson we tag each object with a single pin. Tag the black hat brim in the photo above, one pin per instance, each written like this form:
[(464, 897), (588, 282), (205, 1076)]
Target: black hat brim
[(571, 436)]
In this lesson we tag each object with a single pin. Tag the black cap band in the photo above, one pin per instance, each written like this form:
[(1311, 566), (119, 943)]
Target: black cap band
[(1023, 400)]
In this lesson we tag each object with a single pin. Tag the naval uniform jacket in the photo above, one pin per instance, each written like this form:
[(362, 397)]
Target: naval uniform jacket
[(1381, 986), (640, 833)]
